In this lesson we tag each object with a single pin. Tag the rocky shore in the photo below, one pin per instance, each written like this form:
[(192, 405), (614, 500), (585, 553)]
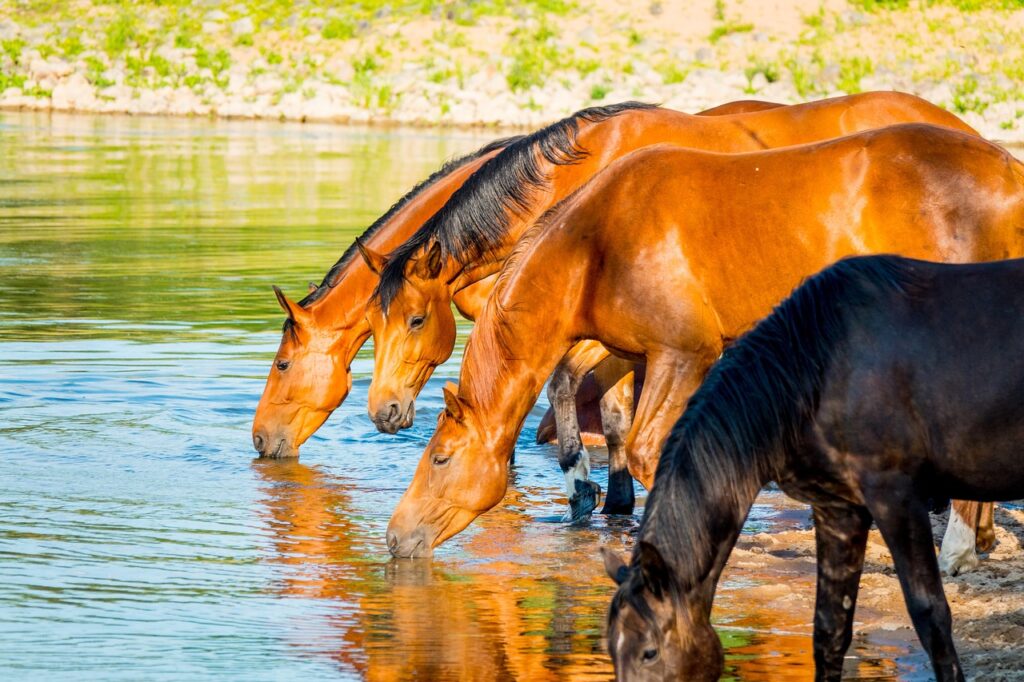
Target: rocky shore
[(499, 64)]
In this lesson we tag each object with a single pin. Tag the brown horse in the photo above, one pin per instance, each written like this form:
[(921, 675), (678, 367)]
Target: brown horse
[(465, 243), (668, 253), (310, 375), (469, 239)]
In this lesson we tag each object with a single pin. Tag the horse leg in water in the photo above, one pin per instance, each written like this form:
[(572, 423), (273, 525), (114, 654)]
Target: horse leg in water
[(672, 377), (902, 518), (970, 530), (841, 534), (616, 419), (573, 458)]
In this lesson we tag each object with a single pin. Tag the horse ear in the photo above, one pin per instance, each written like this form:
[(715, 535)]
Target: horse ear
[(296, 313), (374, 260), (429, 266), (614, 565), (452, 403), (653, 568)]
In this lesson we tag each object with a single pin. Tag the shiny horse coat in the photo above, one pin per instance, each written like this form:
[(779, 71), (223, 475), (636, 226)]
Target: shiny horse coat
[(881, 388)]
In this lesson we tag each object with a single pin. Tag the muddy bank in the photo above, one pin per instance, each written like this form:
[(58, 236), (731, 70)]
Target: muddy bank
[(987, 604)]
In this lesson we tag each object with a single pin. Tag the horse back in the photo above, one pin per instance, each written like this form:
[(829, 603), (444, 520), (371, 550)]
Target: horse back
[(930, 382)]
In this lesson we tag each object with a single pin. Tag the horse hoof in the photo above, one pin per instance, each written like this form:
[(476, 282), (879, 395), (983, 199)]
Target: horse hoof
[(954, 566), (986, 542), (584, 502)]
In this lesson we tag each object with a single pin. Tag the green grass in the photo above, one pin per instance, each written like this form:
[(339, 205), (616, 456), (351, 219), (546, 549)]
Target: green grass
[(122, 33), (966, 98), (534, 57), (728, 28), (599, 92), (767, 69), (851, 71)]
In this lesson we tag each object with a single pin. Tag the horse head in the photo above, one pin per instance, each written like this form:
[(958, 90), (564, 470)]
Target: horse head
[(459, 477), (308, 380), (657, 631), (415, 334)]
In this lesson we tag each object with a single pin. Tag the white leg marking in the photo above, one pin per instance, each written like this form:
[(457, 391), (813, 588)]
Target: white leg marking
[(957, 554), (580, 471)]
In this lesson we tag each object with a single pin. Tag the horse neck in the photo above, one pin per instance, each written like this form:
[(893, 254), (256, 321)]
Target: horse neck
[(343, 307), (697, 534), (604, 141), (504, 370)]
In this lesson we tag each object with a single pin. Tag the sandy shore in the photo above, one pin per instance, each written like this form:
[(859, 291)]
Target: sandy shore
[(987, 604)]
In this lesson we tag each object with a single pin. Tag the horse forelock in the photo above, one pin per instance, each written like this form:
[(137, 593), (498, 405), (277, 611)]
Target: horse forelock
[(478, 215)]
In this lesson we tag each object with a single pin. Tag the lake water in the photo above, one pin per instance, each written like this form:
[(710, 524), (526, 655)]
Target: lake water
[(139, 539)]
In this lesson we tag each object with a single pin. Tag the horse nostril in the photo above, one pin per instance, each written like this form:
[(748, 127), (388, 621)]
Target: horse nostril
[(258, 443), (392, 541), (392, 411)]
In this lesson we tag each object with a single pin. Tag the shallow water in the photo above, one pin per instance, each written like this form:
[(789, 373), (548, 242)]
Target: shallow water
[(138, 537)]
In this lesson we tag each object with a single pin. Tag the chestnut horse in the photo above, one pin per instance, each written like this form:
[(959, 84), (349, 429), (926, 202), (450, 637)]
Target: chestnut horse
[(846, 396), (467, 241), (310, 377), (668, 253)]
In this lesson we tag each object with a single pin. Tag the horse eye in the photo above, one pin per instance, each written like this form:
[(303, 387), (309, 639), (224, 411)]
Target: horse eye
[(649, 655), (283, 365), (416, 321), (441, 460)]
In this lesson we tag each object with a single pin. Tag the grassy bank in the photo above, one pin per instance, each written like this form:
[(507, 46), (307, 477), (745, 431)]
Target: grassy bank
[(505, 62)]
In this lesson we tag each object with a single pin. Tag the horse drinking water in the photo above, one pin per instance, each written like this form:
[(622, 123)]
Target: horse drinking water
[(881, 388), (466, 242), (310, 376), (669, 252)]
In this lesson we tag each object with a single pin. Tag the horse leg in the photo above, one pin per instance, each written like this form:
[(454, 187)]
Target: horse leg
[(573, 458), (672, 377), (986, 527), (957, 554), (616, 418), (841, 534), (902, 518)]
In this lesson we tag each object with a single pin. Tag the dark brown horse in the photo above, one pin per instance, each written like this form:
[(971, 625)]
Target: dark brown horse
[(881, 388), (668, 253)]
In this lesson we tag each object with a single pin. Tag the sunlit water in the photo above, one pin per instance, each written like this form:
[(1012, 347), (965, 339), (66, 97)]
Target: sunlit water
[(138, 537)]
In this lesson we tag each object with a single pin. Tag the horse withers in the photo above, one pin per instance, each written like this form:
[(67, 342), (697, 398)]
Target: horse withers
[(878, 390)]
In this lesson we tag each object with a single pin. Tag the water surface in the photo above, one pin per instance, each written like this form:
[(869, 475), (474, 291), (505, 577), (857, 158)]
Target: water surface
[(138, 537)]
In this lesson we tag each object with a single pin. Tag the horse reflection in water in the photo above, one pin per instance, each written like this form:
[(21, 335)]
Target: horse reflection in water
[(493, 618), (497, 611)]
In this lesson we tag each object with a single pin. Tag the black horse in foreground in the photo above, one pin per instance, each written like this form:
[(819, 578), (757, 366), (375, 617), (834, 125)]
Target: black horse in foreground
[(878, 390)]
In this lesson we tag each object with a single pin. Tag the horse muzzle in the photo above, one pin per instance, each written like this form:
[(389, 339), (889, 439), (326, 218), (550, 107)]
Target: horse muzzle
[(391, 418), (409, 545), (272, 447)]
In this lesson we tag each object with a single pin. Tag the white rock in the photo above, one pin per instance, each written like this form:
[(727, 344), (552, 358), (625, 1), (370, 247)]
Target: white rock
[(74, 93), (243, 26), (52, 68)]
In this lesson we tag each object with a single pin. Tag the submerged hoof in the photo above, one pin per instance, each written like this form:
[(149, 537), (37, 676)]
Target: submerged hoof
[(584, 502)]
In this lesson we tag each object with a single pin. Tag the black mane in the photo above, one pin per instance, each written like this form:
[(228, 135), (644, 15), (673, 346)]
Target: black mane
[(331, 278), (477, 216), (752, 407)]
